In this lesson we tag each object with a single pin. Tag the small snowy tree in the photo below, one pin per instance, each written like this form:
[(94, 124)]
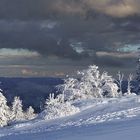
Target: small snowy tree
[(110, 89), (119, 82), (4, 111), (57, 107), (138, 67), (17, 111), (29, 115), (129, 85), (70, 89), (89, 81)]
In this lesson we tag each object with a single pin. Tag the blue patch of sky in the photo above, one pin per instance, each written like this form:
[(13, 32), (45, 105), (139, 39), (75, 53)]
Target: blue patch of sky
[(129, 48)]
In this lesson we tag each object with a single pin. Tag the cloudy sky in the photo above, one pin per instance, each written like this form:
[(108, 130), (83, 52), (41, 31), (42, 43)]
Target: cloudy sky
[(58, 37)]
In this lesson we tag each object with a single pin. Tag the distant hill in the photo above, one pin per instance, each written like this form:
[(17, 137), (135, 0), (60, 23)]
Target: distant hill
[(32, 91)]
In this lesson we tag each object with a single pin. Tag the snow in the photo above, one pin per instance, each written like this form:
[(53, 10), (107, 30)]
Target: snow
[(91, 107), (98, 119)]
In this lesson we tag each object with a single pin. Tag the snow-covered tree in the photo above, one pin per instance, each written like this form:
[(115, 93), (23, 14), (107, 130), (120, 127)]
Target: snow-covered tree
[(17, 111), (129, 83), (110, 89), (91, 84), (138, 67), (129, 86), (70, 89), (29, 115), (4, 111), (98, 84), (57, 107), (89, 81), (119, 81)]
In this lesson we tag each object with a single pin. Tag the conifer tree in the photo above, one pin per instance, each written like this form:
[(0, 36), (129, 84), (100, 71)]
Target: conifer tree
[(4, 111), (30, 113), (138, 70), (17, 111)]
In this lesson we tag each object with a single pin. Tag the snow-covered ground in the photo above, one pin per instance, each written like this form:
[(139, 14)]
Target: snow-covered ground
[(97, 120)]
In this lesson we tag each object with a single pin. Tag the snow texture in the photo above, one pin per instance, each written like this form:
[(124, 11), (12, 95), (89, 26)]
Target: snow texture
[(103, 119)]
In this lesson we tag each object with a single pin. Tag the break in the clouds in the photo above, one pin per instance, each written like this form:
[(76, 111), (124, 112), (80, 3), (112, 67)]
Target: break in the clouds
[(4, 52), (58, 37)]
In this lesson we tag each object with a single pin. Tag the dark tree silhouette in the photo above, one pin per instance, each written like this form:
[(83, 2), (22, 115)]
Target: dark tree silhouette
[(138, 67)]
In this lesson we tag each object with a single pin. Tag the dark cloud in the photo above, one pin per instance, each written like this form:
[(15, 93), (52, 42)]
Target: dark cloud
[(63, 31), (31, 36), (54, 37)]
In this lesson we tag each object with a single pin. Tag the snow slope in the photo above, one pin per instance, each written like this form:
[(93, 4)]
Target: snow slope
[(98, 119)]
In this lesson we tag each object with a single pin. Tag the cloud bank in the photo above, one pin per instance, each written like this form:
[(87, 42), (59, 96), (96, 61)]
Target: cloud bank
[(65, 35), (30, 9)]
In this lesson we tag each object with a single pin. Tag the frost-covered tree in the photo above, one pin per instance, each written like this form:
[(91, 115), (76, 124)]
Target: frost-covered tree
[(57, 107), (138, 67), (17, 111), (91, 84), (129, 85), (98, 84), (29, 115), (119, 81), (110, 89), (4, 111), (70, 89), (89, 81)]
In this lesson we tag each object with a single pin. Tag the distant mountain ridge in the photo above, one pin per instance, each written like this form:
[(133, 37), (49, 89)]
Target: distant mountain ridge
[(32, 91)]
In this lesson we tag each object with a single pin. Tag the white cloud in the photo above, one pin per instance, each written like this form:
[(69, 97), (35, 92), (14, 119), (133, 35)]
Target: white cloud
[(7, 52), (117, 54)]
